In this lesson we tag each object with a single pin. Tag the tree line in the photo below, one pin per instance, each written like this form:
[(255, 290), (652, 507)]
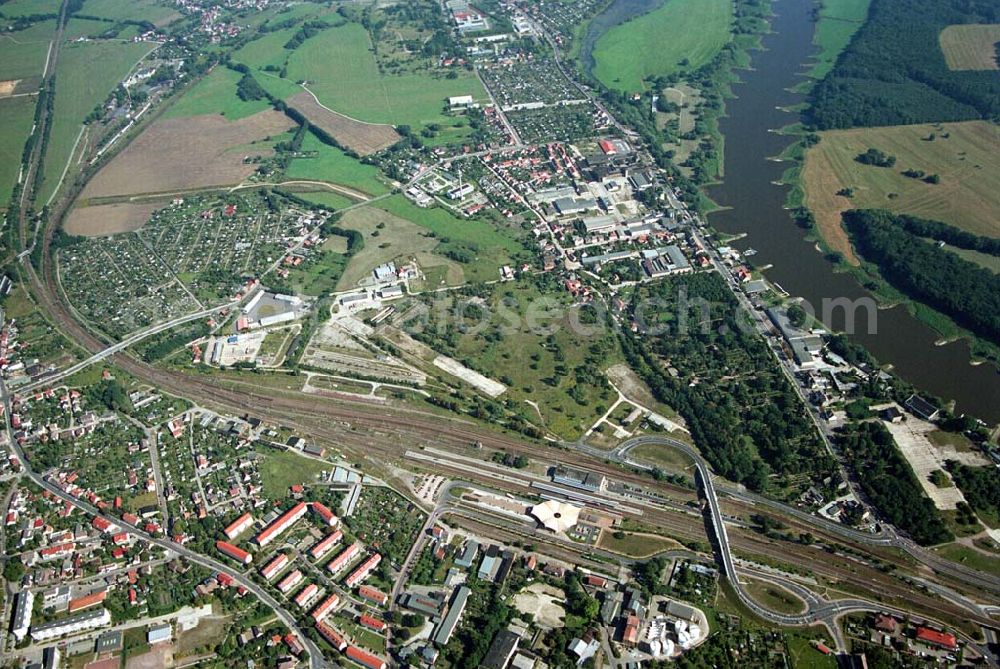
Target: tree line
[(960, 289)]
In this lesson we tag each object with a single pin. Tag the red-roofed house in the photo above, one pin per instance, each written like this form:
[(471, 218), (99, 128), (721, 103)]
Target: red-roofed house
[(324, 608), (238, 526), (286, 584), (326, 544), (325, 514), (936, 638), (304, 598), (345, 557), (85, 602), (372, 623), (331, 635), (234, 552), (373, 595), (365, 659), (362, 572), (271, 569)]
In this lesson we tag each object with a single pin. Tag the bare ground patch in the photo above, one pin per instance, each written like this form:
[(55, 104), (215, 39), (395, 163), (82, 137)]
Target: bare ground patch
[(971, 47), (362, 138), (7, 87), (108, 219), (185, 153), (924, 457)]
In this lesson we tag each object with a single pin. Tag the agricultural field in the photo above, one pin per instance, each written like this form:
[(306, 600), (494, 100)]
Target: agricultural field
[(215, 94), (971, 47), (157, 13), (358, 89), (108, 219), (86, 74), (679, 35), (358, 136), (16, 115), (15, 8), (838, 21), (966, 156), (179, 154), (22, 53), (322, 162)]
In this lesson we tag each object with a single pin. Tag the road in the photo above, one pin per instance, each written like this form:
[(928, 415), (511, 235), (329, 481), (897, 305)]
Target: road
[(820, 611), (131, 340)]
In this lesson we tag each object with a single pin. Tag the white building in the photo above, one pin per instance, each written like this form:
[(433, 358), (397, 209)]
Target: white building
[(77, 623), (21, 619)]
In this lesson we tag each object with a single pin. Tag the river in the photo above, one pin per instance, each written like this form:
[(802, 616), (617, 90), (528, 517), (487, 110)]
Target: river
[(756, 207)]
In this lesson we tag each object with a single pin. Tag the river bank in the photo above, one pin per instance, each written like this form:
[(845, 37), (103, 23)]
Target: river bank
[(757, 198)]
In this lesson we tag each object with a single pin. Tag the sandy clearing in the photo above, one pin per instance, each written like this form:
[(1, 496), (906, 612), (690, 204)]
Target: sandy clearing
[(483, 384), (186, 153), (108, 219), (362, 138), (7, 87), (542, 601)]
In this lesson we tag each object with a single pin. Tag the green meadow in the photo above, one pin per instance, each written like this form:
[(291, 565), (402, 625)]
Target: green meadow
[(216, 94), (86, 75), (838, 21), (16, 116), (679, 35), (341, 70), (334, 166)]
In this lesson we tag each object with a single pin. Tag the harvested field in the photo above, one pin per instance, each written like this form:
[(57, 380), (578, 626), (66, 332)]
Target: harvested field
[(964, 155), (358, 136), (179, 154), (971, 47), (108, 219)]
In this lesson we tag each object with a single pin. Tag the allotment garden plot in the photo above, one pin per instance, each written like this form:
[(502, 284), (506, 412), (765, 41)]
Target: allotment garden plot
[(190, 255)]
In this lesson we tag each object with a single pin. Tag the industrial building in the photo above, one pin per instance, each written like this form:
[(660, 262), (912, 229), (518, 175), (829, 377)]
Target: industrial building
[(448, 624)]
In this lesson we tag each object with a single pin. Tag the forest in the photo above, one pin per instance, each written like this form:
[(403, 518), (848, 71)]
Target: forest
[(890, 484), (942, 232), (894, 73), (966, 292), (717, 372)]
